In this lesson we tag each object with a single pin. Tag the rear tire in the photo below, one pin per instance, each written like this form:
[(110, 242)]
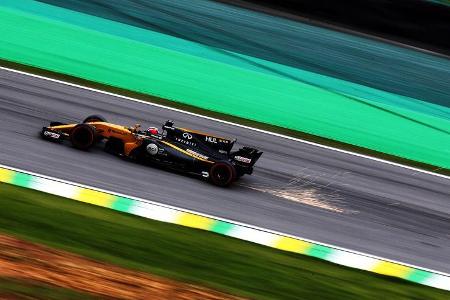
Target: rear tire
[(83, 136), (222, 173), (95, 118)]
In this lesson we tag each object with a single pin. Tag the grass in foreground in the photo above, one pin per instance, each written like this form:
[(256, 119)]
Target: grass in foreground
[(190, 255), (225, 117), (22, 289)]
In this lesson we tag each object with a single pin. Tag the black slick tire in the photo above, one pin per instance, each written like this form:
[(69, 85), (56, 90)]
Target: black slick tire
[(83, 136), (222, 173), (94, 118)]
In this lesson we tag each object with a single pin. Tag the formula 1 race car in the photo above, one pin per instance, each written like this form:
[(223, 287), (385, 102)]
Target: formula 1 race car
[(179, 149)]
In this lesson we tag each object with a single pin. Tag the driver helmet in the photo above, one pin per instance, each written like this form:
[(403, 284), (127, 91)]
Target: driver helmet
[(152, 131)]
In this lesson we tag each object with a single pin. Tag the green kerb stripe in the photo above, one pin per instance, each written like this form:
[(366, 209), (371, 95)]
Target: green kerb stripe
[(122, 204), (418, 276), (21, 179), (319, 251), (221, 227)]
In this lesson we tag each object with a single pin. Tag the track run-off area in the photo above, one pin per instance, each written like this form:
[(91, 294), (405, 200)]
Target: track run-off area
[(297, 188)]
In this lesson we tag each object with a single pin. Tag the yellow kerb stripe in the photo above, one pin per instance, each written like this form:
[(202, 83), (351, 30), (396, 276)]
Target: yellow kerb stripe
[(191, 220), (391, 269), (94, 197), (293, 245), (6, 175)]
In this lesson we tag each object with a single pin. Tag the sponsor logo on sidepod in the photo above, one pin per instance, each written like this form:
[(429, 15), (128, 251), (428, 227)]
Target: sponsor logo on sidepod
[(152, 149)]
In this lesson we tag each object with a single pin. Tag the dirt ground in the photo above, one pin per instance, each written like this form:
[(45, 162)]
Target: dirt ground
[(24, 260)]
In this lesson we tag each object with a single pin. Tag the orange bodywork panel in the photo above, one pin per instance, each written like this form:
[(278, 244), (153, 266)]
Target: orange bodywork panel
[(127, 135)]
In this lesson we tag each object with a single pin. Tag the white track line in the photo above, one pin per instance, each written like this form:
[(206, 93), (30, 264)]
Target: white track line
[(219, 218), (226, 122)]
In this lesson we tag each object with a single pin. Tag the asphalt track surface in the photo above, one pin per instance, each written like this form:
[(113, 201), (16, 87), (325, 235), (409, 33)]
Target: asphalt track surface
[(299, 189)]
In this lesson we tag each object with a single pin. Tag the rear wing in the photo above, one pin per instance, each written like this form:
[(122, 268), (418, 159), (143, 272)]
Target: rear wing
[(195, 138), (246, 156)]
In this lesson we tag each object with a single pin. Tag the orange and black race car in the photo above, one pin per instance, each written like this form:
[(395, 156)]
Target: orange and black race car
[(180, 149)]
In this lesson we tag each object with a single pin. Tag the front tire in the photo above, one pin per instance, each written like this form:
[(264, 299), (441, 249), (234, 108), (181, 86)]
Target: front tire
[(222, 173), (94, 118), (83, 136)]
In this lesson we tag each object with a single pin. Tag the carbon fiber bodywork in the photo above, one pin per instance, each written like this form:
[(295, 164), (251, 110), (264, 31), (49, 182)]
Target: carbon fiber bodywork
[(179, 149)]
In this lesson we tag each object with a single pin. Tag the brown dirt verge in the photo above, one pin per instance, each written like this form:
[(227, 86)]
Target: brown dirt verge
[(24, 260)]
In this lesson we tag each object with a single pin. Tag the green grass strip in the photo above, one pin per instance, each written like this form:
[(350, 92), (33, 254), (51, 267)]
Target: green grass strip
[(190, 255)]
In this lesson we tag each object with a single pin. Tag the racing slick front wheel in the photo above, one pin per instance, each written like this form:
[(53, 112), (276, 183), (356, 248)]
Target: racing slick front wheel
[(83, 136), (222, 173), (95, 118)]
